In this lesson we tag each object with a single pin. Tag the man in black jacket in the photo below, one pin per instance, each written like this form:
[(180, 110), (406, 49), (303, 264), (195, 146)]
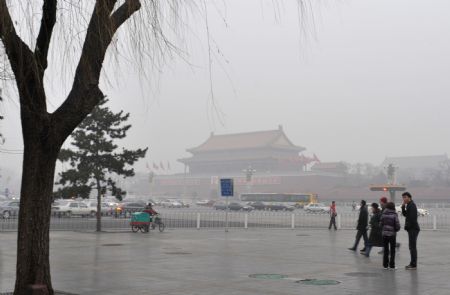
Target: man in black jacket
[(409, 210), (361, 227)]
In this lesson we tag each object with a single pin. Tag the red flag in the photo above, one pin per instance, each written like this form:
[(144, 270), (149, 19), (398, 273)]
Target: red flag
[(155, 166), (161, 165)]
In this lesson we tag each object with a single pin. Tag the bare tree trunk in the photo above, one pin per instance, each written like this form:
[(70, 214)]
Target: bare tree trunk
[(99, 206), (33, 266)]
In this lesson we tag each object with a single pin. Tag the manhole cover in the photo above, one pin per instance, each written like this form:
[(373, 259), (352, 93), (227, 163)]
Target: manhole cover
[(315, 282), (177, 253), (268, 276), (112, 245), (363, 274)]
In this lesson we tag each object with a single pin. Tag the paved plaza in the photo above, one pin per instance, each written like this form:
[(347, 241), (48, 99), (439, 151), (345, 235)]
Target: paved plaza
[(212, 262)]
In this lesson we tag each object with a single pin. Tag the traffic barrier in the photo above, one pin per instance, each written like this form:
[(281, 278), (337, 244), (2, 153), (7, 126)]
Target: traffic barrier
[(203, 219)]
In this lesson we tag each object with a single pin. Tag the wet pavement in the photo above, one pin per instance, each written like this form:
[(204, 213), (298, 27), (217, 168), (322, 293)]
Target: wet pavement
[(241, 262)]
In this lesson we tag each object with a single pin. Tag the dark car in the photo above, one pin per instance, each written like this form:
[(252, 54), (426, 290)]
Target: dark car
[(9, 209), (279, 207), (126, 208), (232, 207), (258, 205)]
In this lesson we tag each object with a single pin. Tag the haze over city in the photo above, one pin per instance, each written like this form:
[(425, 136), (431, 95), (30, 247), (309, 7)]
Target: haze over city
[(358, 81)]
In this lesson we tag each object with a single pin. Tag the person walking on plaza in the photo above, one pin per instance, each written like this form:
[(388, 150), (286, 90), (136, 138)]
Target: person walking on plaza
[(375, 236), (333, 214), (390, 226), (409, 210), (361, 227)]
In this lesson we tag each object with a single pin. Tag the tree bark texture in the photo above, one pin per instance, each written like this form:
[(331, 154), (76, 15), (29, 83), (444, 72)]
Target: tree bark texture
[(33, 266)]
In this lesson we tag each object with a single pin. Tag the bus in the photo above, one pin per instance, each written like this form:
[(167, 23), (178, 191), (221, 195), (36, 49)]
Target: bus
[(299, 200)]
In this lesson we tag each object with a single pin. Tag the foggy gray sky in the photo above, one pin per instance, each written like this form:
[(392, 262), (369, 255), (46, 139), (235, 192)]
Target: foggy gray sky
[(371, 81)]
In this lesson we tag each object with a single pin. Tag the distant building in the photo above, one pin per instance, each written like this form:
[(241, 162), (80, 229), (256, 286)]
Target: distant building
[(265, 151), (339, 168)]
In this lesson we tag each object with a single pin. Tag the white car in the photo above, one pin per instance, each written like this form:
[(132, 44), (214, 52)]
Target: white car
[(171, 204), (106, 209), (69, 208), (420, 211), (317, 208)]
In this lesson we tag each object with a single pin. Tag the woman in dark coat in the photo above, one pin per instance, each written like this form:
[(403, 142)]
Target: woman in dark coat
[(375, 237)]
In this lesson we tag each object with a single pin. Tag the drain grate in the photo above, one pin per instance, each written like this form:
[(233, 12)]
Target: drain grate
[(363, 274), (316, 282), (268, 276)]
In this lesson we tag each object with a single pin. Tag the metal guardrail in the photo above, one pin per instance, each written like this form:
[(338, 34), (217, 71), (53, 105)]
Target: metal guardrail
[(213, 219)]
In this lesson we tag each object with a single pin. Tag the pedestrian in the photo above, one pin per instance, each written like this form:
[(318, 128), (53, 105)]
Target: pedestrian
[(409, 210), (390, 226), (333, 214), (375, 236), (353, 206), (361, 227), (383, 202)]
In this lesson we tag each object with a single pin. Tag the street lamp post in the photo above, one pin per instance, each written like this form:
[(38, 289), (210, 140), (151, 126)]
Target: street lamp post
[(392, 186), (248, 177)]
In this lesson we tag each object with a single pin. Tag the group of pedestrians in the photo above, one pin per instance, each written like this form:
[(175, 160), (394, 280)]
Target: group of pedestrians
[(384, 225)]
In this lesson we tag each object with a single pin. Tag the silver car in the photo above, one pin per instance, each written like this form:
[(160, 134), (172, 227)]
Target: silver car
[(9, 209), (317, 208)]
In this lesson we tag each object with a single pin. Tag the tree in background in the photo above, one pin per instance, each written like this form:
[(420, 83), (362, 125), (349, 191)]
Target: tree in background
[(95, 157)]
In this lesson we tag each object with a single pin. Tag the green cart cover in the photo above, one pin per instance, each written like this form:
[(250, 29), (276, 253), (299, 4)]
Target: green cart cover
[(140, 217)]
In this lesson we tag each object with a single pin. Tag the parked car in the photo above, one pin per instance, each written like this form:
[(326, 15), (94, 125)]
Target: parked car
[(258, 205), (233, 207), (423, 212), (317, 208), (69, 208), (171, 204), (420, 211), (9, 209), (184, 204), (205, 203), (279, 207), (105, 208), (126, 208)]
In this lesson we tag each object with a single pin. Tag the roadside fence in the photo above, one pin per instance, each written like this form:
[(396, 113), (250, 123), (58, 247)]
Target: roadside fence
[(215, 220)]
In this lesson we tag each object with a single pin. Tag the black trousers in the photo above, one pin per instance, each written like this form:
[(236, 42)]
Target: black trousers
[(389, 251), (412, 236), (359, 234), (332, 222)]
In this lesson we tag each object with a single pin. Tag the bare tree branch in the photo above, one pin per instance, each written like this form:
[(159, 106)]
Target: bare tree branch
[(45, 34), (100, 32), (23, 64), (123, 13)]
